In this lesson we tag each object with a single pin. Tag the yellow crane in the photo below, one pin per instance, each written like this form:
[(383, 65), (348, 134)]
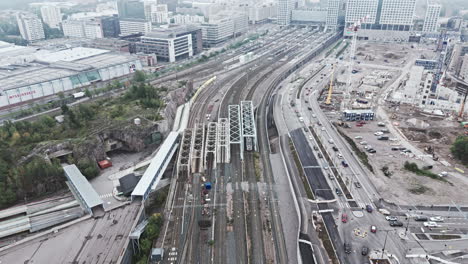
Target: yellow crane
[(330, 89)]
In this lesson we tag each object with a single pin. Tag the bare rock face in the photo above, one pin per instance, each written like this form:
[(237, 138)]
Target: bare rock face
[(133, 138), (92, 149)]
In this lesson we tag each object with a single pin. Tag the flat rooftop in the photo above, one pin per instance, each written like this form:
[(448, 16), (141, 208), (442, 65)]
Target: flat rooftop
[(89, 195), (43, 66)]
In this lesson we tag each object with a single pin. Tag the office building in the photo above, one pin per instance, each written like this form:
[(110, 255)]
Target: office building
[(110, 26), (308, 16), (241, 23), (333, 10), (131, 9), (169, 45), (216, 32), (51, 15), (83, 28), (159, 14), (180, 19), (432, 16), (284, 12), (261, 13), (30, 26), (134, 26), (390, 20)]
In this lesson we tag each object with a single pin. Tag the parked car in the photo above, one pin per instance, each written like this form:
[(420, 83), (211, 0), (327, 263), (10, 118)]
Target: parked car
[(431, 224), (373, 229), (357, 184), (369, 208), (319, 155), (330, 176), (338, 191), (340, 156), (378, 133), (344, 163), (420, 218), (396, 223), (347, 248), (344, 218), (315, 148), (391, 218), (358, 137), (365, 251), (335, 148), (371, 150), (363, 142), (436, 219)]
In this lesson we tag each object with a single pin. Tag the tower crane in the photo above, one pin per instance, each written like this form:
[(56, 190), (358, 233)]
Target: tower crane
[(330, 89), (354, 28)]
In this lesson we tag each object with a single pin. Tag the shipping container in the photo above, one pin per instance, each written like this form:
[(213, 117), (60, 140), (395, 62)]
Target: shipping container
[(104, 164)]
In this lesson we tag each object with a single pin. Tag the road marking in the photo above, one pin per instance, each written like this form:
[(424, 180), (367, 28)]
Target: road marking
[(107, 195)]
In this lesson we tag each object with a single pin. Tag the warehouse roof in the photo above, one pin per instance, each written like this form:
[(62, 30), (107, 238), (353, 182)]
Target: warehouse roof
[(81, 184)]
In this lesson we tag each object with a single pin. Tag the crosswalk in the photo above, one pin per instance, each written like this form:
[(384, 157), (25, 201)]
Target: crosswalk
[(107, 195)]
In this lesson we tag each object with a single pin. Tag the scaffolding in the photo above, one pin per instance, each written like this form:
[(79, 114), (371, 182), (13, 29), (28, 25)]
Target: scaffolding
[(183, 161), (224, 149), (249, 130), (235, 135), (211, 143), (198, 140)]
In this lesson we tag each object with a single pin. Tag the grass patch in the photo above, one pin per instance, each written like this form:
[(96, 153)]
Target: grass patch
[(258, 170), (307, 187), (413, 167), (327, 244), (420, 189), (361, 154), (445, 237)]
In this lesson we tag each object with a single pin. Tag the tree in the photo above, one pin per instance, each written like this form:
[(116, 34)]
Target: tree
[(88, 93), (51, 33), (139, 76), (88, 168), (460, 149)]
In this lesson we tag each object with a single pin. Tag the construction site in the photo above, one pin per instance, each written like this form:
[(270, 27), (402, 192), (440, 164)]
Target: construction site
[(403, 102)]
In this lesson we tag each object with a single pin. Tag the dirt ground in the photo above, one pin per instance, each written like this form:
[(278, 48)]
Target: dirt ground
[(402, 186)]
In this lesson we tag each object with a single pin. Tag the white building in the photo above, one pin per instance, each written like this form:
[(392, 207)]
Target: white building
[(134, 26), (261, 13), (216, 32), (51, 15), (333, 10), (160, 14), (309, 16), (167, 46), (241, 23), (180, 19), (388, 20), (284, 12), (83, 28), (30, 26), (432, 16)]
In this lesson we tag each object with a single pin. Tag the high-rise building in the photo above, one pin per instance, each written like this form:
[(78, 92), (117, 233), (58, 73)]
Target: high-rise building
[(333, 11), (159, 14), (30, 26), (261, 13), (216, 32), (51, 15), (110, 26), (131, 9), (83, 28), (241, 23), (432, 16), (284, 12), (171, 44), (134, 26), (384, 19)]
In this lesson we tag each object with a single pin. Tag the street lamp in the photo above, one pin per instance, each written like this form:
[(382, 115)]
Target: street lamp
[(385, 241)]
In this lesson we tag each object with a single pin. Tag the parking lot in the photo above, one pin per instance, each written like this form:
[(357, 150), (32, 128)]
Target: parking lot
[(400, 185)]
